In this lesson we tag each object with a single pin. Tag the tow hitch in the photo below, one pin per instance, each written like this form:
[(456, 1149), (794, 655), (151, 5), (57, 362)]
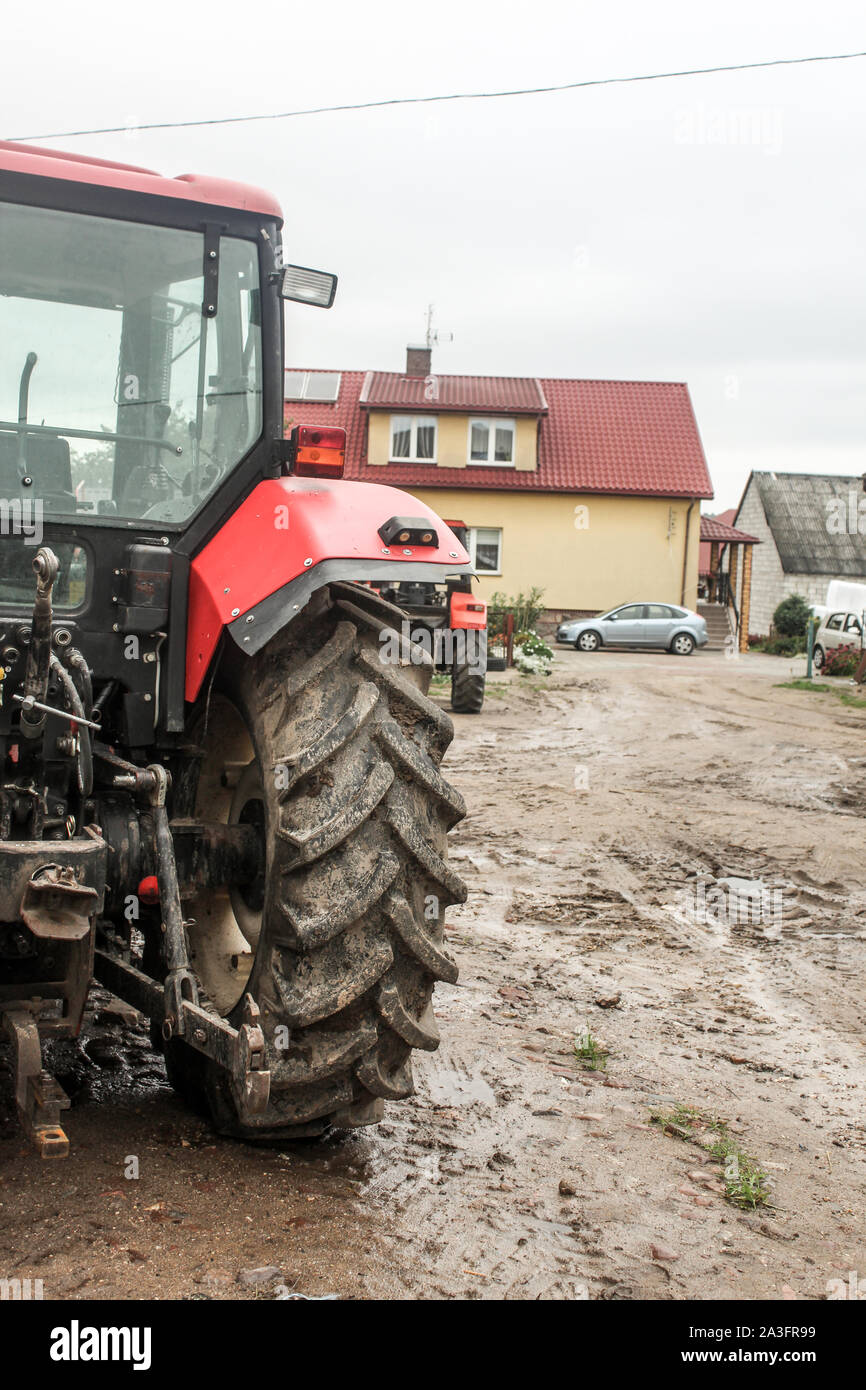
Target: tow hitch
[(39, 1097), (239, 1051)]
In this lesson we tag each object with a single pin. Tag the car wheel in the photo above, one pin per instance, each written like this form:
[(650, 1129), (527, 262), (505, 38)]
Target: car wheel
[(683, 644), (818, 658), (588, 642)]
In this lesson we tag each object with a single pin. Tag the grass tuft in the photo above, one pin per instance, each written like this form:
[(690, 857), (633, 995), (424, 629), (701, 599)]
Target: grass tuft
[(589, 1052), (746, 1183), (821, 687)]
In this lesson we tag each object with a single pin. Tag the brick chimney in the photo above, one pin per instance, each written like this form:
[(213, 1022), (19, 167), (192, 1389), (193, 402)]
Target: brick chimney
[(418, 361)]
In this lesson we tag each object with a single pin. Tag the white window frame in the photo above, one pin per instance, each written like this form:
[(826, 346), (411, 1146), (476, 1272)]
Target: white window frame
[(412, 457), (472, 539), (492, 424)]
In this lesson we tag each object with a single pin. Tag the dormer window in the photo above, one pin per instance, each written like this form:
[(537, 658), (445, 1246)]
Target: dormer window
[(413, 439), (491, 442)]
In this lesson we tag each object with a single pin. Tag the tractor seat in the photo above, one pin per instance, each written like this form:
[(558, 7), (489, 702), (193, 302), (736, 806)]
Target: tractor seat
[(47, 460)]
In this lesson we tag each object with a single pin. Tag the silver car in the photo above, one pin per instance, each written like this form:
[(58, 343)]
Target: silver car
[(662, 625)]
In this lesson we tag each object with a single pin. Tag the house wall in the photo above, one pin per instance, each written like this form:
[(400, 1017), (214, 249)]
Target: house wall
[(770, 582), (452, 445), (618, 549)]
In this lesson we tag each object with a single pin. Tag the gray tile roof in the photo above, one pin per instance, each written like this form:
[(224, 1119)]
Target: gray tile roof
[(799, 508)]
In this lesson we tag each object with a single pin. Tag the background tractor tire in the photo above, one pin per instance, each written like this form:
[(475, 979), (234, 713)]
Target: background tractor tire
[(468, 680), (347, 926)]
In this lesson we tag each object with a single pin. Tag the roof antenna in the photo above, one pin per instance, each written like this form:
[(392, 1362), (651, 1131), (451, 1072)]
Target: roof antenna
[(434, 337)]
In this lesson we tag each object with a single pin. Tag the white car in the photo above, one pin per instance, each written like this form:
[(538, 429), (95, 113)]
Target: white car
[(837, 630)]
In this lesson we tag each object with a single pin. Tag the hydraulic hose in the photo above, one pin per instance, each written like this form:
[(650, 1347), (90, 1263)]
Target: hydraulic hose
[(85, 750), (83, 679), (80, 672)]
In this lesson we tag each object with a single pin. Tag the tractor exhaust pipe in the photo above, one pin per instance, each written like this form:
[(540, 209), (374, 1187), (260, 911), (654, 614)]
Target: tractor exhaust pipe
[(46, 568)]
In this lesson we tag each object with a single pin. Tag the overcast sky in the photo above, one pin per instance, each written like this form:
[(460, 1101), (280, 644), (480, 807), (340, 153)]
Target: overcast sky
[(706, 229)]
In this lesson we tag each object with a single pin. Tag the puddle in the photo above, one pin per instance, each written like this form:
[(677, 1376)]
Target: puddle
[(453, 1085)]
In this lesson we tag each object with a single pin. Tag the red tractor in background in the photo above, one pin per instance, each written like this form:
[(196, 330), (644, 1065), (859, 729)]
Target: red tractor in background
[(221, 790), (450, 623)]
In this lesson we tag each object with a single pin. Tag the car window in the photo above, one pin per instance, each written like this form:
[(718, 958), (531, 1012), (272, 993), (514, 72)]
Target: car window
[(836, 622), (629, 614), (852, 623), (658, 610)]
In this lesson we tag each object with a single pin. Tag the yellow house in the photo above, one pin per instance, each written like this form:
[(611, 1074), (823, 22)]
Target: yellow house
[(588, 490)]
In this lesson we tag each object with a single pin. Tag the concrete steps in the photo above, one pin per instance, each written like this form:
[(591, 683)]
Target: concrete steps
[(718, 625)]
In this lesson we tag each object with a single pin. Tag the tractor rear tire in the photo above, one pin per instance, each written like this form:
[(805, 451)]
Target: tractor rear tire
[(468, 680), (355, 814)]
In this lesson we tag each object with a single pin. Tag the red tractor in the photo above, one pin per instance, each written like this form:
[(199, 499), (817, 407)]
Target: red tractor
[(221, 791), (449, 622)]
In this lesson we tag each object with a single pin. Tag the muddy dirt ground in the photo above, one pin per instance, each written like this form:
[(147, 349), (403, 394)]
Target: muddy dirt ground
[(606, 805)]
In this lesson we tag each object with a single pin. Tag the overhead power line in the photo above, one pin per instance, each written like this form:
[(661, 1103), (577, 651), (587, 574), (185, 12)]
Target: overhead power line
[(450, 96)]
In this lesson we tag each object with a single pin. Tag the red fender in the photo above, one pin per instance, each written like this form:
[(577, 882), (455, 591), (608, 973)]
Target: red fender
[(290, 537), (467, 610)]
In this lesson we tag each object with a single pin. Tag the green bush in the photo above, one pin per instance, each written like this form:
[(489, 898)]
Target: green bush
[(527, 609), (791, 617), (778, 646), (786, 646)]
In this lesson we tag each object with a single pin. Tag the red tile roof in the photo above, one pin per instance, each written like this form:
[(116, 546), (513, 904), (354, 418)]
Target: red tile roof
[(634, 437), (344, 413), (518, 395), (718, 528), (713, 528)]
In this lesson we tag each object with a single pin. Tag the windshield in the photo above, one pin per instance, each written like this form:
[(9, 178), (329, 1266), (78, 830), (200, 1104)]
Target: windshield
[(119, 396)]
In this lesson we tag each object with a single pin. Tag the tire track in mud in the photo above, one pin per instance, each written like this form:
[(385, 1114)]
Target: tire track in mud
[(744, 1015)]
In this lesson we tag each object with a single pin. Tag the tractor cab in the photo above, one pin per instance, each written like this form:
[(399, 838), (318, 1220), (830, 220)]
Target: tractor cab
[(203, 779)]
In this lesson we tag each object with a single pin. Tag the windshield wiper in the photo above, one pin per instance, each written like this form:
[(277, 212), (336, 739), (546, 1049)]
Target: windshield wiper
[(23, 394)]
